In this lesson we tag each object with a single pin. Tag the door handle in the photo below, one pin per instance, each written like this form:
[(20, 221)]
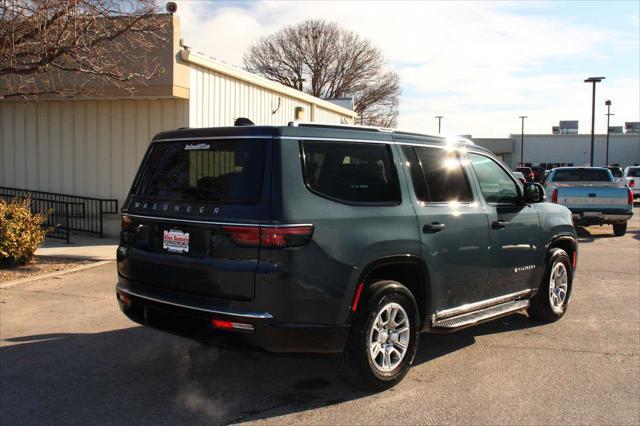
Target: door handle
[(432, 228), (499, 224)]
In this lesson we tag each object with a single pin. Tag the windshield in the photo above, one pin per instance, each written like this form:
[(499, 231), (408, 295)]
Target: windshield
[(582, 175), (210, 171)]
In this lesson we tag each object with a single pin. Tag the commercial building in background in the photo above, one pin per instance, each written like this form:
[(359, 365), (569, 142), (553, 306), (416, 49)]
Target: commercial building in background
[(565, 149), (566, 127), (632, 127), (92, 146)]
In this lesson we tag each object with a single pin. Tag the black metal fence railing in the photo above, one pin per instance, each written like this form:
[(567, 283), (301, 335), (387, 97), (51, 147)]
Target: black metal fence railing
[(65, 213)]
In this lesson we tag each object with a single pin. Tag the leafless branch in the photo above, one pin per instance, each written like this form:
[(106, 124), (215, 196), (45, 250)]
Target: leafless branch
[(71, 47), (327, 61)]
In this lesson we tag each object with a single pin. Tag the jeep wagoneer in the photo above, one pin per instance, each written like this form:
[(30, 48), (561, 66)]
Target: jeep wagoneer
[(340, 240)]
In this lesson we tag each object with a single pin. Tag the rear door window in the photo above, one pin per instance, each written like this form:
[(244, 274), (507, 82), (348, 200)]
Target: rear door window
[(221, 172), (353, 173), (437, 175)]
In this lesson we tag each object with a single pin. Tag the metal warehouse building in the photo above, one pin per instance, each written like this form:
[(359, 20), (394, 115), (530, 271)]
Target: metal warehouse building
[(624, 149), (92, 146)]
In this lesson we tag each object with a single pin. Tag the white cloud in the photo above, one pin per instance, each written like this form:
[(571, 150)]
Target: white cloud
[(478, 64)]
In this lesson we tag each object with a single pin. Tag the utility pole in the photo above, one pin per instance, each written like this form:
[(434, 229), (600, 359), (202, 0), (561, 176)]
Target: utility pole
[(593, 80), (439, 117), (522, 117), (606, 155)]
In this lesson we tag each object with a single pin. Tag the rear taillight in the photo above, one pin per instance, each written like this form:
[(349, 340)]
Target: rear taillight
[(554, 196), (243, 235), (632, 183), (127, 229), (289, 236), (127, 223), (630, 199), (269, 236)]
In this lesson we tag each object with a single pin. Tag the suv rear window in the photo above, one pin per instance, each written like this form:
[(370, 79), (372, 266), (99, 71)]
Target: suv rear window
[(634, 172), (359, 173), (581, 175), (222, 172)]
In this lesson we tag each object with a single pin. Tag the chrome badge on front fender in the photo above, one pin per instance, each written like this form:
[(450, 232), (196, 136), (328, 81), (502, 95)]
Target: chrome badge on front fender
[(523, 268)]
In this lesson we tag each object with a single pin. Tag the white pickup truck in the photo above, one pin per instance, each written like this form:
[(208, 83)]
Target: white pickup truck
[(632, 180), (593, 196)]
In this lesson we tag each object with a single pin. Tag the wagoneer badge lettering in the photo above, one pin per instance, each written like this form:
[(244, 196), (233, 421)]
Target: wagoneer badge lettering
[(191, 147), (524, 268)]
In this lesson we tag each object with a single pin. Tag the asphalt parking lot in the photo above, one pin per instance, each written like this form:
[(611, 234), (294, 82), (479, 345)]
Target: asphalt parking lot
[(68, 355)]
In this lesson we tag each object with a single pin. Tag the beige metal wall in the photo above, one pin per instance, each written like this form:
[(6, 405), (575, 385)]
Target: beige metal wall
[(217, 99), (322, 115), (90, 148)]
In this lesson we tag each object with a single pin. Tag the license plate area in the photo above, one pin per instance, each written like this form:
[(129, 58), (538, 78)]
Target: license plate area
[(175, 241)]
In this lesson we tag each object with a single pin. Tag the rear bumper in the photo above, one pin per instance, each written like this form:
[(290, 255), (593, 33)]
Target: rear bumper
[(259, 329), (599, 218)]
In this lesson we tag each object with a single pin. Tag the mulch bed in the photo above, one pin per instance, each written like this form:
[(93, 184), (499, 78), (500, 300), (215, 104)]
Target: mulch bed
[(38, 266)]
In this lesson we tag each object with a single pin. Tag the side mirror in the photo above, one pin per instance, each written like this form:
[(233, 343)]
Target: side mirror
[(533, 193)]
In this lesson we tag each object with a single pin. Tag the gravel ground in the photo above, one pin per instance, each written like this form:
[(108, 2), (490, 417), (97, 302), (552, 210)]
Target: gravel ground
[(38, 266)]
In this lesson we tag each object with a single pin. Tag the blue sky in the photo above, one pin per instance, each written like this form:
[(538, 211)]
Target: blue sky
[(480, 64)]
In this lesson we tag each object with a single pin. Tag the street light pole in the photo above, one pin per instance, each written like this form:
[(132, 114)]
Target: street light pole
[(593, 80), (606, 157), (439, 117), (522, 117)]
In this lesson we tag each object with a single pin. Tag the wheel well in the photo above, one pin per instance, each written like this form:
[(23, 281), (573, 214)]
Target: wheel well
[(409, 274), (566, 244)]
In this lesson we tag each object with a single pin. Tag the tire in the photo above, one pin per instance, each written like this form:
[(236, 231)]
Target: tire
[(543, 306), (619, 229), (357, 364)]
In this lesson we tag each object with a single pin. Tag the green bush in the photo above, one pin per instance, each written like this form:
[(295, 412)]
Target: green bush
[(21, 232)]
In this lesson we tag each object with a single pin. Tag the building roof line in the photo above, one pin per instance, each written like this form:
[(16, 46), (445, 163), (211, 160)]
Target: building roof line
[(217, 66)]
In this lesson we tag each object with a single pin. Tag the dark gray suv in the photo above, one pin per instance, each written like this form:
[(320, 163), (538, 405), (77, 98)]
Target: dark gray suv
[(337, 240)]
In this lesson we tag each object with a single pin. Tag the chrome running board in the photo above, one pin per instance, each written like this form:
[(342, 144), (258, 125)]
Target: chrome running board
[(482, 314)]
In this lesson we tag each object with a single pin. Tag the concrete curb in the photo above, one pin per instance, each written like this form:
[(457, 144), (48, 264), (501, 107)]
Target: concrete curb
[(53, 274)]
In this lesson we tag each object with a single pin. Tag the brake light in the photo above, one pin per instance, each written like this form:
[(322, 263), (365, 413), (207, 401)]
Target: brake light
[(632, 183), (290, 236), (127, 223), (270, 236), (630, 199), (554, 196), (243, 235)]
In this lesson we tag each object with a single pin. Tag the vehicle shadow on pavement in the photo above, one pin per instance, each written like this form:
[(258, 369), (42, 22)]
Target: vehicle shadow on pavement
[(435, 345), (586, 236), (141, 376)]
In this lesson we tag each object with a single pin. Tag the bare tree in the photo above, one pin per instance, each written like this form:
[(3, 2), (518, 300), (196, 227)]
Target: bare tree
[(71, 47), (327, 61)]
